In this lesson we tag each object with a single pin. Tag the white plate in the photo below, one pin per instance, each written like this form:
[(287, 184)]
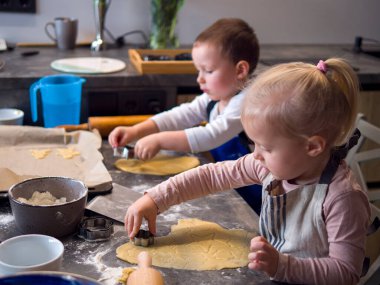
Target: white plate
[(89, 65)]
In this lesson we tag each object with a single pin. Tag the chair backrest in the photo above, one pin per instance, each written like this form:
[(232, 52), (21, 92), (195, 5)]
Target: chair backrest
[(355, 159), (358, 156)]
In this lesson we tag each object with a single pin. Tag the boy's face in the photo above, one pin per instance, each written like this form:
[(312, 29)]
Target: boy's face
[(217, 75)]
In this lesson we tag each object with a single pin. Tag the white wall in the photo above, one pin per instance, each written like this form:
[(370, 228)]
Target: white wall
[(275, 21)]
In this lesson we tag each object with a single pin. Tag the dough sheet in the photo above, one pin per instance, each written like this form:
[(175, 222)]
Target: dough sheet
[(194, 244)]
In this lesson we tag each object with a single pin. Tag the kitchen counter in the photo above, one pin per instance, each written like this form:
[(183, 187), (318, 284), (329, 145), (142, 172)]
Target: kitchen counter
[(22, 70), (123, 93), (98, 259)]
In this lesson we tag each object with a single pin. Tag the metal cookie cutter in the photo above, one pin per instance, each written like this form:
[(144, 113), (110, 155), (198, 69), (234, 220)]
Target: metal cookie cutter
[(124, 152), (144, 238), (95, 229)]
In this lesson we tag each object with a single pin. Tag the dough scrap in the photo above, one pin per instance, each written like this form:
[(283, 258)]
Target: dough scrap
[(40, 153), (42, 199), (194, 245), (67, 153), (159, 165)]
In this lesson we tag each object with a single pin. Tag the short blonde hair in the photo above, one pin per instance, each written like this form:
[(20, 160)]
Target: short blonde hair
[(301, 100)]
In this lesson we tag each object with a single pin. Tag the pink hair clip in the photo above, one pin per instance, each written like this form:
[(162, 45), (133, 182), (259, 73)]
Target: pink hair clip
[(322, 66)]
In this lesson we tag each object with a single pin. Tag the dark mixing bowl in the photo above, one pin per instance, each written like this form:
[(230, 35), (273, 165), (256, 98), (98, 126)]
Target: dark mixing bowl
[(53, 220)]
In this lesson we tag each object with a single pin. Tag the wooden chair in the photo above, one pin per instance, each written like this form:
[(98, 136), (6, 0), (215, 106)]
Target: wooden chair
[(355, 159)]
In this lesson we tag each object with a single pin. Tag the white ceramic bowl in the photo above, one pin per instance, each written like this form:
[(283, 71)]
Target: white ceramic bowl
[(9, 116), (30, 253)]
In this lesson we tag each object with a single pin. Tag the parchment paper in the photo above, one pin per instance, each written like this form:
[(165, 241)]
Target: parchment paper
[(18, 164)]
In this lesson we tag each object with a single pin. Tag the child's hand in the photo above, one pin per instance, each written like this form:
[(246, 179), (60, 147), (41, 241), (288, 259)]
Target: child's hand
[(142, 208), (120, 136), (147, 147), (263, 256)]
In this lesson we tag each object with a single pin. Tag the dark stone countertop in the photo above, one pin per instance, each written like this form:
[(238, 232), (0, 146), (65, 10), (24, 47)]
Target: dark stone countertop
[(98, 259), (20, 71)]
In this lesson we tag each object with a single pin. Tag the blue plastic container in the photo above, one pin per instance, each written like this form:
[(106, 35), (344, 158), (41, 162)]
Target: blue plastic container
[(61, 99)]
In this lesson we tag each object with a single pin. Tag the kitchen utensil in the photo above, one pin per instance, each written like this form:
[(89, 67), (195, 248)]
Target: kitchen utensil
[(106, 124), (61, 99), (30, 253), (95, 229), (145, 274), (9, 116), (48, 277), (115, 204), (144, 238), (65, 32), (55, 220), (126, 152)]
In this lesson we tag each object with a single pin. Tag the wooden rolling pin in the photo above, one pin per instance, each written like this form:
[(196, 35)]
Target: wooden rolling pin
[(107, 123), (145, 275)]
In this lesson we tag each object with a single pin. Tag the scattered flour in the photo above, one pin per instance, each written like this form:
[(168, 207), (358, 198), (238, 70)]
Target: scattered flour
[(141, 188), (5, 219), (109, 275)]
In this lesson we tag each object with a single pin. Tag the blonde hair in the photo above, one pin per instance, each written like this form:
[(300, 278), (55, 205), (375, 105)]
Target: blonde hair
[(301, 100)]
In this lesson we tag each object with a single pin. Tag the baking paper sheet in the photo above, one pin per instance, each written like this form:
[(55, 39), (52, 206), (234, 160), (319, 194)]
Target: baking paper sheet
[(18, 164)]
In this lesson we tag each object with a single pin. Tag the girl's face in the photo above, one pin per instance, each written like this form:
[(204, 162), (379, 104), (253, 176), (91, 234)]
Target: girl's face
[(286, 158), (217, 75)]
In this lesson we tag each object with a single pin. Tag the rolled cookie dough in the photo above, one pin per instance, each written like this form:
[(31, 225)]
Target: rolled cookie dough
[(159, 165), (194, 245)]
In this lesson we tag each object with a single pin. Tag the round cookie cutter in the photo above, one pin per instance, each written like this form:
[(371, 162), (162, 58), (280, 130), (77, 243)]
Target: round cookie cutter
[(95, 229)]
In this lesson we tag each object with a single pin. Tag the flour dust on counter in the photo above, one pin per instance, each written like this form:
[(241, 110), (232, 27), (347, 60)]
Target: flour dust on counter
[(5, 219), (95, 259)]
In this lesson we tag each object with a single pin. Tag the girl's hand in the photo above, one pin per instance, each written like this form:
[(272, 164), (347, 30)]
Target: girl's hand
[(147, 147), (142, 208), (120, 136), (263, 256)]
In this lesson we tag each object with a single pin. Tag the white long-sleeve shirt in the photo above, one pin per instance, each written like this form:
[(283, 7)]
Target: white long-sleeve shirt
[(221, 127)]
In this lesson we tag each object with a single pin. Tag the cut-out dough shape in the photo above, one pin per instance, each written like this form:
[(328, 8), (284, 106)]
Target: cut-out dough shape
[(159, 165), (40, 153), (67, 153), (194, 245)]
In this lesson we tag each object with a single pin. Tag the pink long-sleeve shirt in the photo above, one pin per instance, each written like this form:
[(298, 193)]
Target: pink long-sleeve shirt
[(346, 213)]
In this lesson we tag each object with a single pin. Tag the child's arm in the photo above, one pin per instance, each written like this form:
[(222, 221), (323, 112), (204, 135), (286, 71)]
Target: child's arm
[(147, 147), (191, 184), (120, 136)]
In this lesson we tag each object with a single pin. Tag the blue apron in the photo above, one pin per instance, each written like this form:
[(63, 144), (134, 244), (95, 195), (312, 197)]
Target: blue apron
[(232, 150)]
